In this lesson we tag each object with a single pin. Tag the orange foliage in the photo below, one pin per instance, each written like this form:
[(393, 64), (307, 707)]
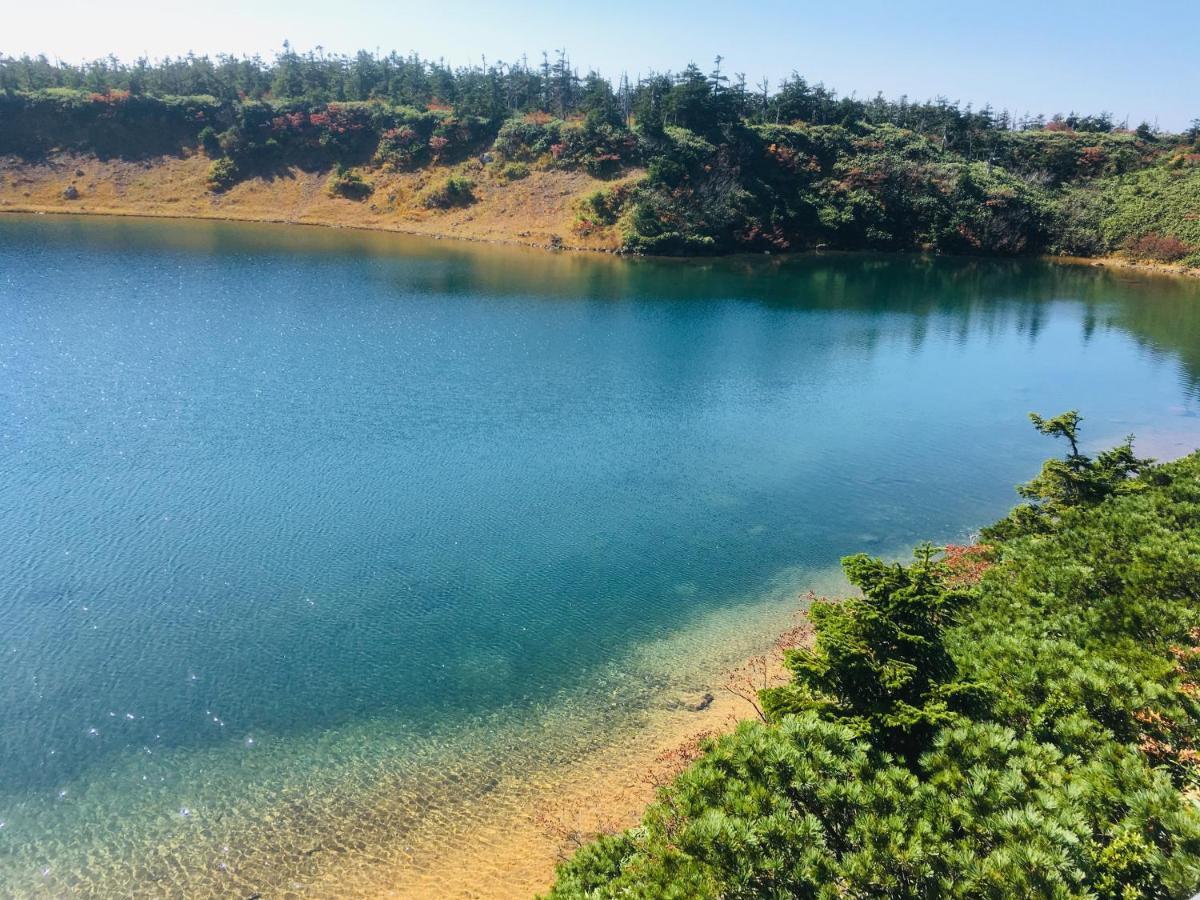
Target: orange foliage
[(1162, 739), (1092, 160), (966, 564)]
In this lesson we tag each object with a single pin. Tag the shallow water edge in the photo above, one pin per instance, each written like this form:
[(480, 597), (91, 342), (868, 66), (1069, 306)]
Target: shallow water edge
[(1140, 267)]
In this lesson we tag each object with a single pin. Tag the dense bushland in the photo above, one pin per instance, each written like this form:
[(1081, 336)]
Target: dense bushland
[(1014, 719), (725, 167)]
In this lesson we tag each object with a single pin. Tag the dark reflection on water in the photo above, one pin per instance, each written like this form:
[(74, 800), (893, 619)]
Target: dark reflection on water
[(285, 479)]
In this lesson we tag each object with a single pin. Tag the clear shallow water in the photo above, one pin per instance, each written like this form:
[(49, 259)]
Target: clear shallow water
[(305, 533)]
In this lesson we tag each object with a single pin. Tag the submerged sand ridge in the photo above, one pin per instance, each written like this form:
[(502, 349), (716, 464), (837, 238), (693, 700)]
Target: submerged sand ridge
[(528, 824)]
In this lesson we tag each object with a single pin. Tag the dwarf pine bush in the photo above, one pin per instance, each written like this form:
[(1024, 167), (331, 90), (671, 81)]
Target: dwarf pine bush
[(1027, 726)]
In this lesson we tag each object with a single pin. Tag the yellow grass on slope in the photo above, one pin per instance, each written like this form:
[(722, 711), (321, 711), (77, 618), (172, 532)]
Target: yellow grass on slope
[(538, 210)]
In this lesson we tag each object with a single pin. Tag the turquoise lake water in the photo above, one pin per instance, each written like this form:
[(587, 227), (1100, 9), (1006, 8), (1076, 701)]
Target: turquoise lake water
[(286, 515)]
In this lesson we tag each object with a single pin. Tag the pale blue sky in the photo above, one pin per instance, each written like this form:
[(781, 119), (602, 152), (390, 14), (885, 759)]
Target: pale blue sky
[(1136, 60)]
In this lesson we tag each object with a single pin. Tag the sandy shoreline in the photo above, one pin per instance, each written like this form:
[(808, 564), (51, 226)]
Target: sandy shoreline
[(538, 821), (117, 213), (1141, 267)]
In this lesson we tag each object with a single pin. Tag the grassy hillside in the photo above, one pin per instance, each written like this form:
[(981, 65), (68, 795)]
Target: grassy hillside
[(707, 181), (1014, 719), (1161, 201)]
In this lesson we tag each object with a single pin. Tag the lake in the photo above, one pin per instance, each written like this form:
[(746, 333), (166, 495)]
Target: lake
[(308, 537)]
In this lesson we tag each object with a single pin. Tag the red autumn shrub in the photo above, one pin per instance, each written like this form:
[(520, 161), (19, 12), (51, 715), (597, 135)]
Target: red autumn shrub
[(966, 564), (1159, 247)]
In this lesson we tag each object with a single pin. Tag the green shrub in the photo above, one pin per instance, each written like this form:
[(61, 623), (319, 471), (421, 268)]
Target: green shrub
[(666, 172), (1057, 157), (688, 148), (230, 142), (454, 190), (207, 139), (348, 184), (1077, 213), (603, 207), (1158, 200), (514, 171), (519, 139), (112, 123), (223, 174)]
